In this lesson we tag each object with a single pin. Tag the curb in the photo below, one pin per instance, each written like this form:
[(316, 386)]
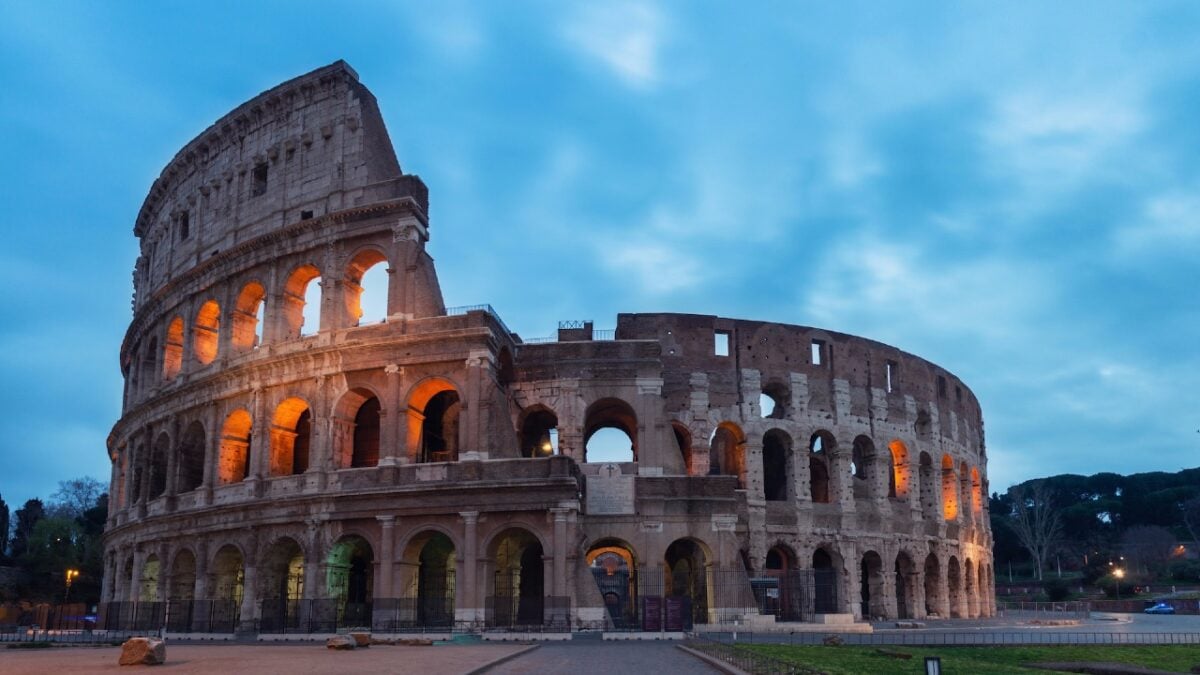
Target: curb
[(715, 663), (495, 662)]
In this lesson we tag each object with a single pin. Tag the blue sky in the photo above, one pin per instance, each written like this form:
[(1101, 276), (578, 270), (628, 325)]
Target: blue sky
[(1007, 189)]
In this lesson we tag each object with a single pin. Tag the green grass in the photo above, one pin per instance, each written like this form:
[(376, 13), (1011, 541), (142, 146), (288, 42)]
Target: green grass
[(846, 660)]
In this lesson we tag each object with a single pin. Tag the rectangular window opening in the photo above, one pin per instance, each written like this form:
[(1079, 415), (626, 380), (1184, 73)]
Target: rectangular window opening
[(259, 187), (305, 215), (721, 343), (891, 376), (958, 393), (818, 357), (184, 229), (941, 386)]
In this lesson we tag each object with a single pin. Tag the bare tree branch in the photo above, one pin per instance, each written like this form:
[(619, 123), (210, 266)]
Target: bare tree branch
[(1035, 521)]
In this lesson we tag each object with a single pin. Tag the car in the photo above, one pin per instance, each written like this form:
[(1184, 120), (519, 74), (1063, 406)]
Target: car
[(1160, 608)]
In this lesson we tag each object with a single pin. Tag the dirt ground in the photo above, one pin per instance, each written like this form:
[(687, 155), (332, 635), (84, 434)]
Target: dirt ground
[(299, 659)]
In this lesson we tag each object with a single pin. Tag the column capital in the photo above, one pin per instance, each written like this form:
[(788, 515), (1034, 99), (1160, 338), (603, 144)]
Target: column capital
[(386, 521), (469, 517)]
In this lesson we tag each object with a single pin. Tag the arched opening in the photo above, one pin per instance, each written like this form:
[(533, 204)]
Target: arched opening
[(898, 479), (785, 600), (228, 571), (247, 326), (614, 568), (776, 465), (539, 432), (148, 584), (138, 480), (366, 287), (976, 492), (365, 450), (191, 458), (291, 436), (906, 586), (173, 350), (282, 579), (954, 588), (727, 453), (933, 586), (949, 489), (683, 441), (862, 466), (349, 580), (206, 332), (825, 582), (871, 591), (302, 302), (610, 432), (964, 487), (972, 591), (429, 580), (233, 465), (685, 572), (440, 429), (158, 465), (821, 447), (772, 402), (505, 370), (518, 583), (929, 500), (149, 363), (182, 586)]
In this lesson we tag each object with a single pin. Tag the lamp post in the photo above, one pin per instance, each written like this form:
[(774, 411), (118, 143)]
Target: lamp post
[(1119, 574), (71, 575)]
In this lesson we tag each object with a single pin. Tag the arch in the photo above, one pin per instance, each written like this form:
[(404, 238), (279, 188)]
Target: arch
[(898, 478), (954, 588), (228, 570), (906, 586), (862, 458), (826, 562), (302, 301), (362, 265), (933, 586), (182, 584), (971, 590), (949, 489), (434, 408), (928, 488), (206, 331), (291, 437), (429, 578), (727, 452), (871, 586), (776, 465), (964, 488), (149, 363), (610, 413), (683, 441), (518, 579), (158, 465), (821, 446), (685, 575), (787, 603), (173, 349), (190, 464), (148, 583), (233, 464), (357, 428), (773, 400), (349, 579), (281, 571), (247, 314), (539, 432), (614, 568), (976, 492)]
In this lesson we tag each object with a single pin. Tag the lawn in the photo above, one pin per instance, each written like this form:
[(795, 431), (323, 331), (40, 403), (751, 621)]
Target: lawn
[(846, 660)]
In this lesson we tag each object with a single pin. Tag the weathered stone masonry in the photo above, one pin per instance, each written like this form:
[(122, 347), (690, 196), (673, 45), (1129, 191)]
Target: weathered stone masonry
[(261, 458)]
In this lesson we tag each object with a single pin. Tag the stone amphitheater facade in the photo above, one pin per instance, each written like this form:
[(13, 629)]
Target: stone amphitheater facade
[(433, 467)]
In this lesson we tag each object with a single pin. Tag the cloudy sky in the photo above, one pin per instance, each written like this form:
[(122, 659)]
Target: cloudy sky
[(1008, 190)]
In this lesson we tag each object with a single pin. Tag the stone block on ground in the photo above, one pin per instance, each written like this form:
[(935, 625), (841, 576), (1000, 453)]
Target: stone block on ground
[(361, 638), (138, 651), (340, 642)]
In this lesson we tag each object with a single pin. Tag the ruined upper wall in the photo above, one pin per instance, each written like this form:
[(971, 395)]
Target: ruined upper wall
[(311, 146)]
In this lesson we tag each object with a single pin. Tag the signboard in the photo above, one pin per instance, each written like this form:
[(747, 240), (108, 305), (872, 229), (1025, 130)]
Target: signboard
[(610, 493), (651, 613), (679, 613)]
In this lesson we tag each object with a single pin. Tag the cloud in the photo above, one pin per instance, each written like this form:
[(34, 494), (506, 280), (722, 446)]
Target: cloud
[(1170, 225), (624, 37), (656, 269)]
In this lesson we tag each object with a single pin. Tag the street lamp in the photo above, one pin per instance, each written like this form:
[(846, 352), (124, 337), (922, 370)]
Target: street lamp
[(71, 575), (1119, 574)]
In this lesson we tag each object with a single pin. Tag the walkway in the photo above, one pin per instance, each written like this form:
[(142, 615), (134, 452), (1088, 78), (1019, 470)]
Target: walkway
[(590, 653)]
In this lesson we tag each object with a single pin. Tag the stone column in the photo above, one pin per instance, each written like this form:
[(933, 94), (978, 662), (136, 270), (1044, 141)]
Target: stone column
[(560, 551), (387, 553), (260, 437), (139, 563), (472, 407), (469, 606), (392, 442), (313, 588), (211, 454)]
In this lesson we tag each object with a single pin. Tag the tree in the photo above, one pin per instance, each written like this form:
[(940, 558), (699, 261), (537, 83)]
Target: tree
[(1035, 521), (3, 530), (53, 547), (1149, 546), (75, 497), (27, 518), (1191, 518)]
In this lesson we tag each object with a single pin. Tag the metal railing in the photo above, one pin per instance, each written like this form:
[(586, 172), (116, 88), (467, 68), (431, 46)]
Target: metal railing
[(938, 638), (749, 661), (1071, 609), (465, 309)]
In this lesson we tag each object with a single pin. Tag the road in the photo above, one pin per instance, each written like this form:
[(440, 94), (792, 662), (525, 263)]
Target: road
[(588, 652)]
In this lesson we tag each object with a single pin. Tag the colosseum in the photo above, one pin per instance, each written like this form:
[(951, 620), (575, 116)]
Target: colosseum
[(283, 465)]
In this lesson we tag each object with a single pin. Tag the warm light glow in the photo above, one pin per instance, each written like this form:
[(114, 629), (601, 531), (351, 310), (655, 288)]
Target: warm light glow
[(1119, 573)]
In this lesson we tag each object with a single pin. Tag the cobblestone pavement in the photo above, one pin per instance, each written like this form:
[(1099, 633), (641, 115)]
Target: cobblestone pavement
[(588, 653), (298, 659)]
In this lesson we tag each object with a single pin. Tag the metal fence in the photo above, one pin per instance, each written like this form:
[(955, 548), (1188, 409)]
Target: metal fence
[(938, 638), (533, 613), (1075, 609), (749, 661), (176, 616)]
